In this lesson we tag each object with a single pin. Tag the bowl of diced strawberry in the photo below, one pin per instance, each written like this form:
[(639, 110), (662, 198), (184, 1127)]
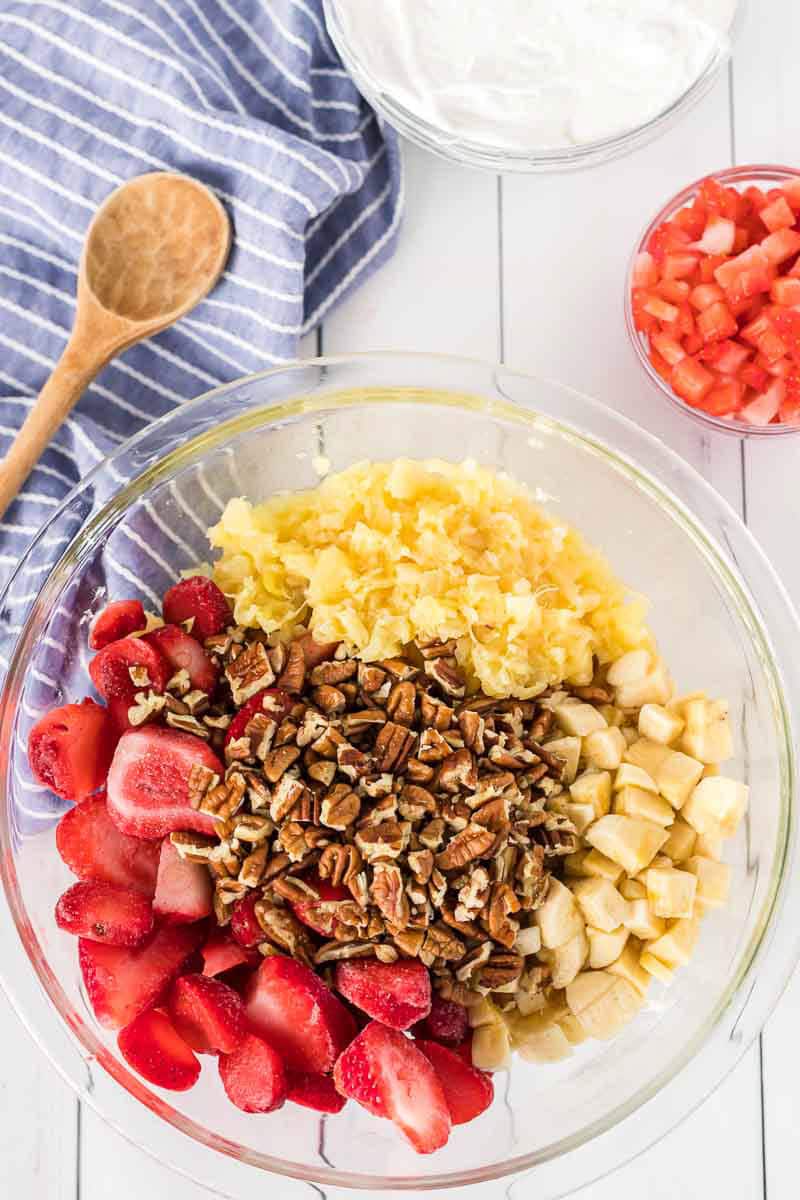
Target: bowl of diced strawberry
[(713, 300)]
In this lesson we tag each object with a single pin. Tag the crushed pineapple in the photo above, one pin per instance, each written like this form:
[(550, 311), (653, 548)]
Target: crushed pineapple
[(383, 554)]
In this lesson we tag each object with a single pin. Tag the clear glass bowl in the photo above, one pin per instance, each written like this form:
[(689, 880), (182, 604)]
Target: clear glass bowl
[(718, 611), (760, 175), (499, 158)]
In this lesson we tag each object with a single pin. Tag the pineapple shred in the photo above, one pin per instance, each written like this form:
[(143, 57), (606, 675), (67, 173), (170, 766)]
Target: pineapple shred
[(384, 554)]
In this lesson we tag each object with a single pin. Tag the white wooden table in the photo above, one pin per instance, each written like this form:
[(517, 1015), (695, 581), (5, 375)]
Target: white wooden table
[(530, 270)]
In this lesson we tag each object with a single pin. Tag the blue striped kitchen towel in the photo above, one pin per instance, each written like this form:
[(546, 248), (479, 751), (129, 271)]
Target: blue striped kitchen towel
[(248, 96)]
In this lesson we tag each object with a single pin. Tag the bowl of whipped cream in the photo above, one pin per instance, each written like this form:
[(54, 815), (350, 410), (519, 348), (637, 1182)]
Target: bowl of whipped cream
[(533, 85)]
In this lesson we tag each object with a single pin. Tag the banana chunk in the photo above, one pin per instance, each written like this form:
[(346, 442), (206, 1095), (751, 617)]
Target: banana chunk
[(629, 841), (716, 805), (603, 1003)]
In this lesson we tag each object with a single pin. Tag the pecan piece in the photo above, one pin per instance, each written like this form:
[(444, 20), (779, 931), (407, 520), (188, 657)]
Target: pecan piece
[(381, 841), (285, 797), (201, 781), (362, 721), (402, 703), (393, 746), (432, 746), (278, 762), (458, 772), (441, 942), (448, 675), (370, 678), (502, 903), (333, 671), (339, 864), (283, 929), (340, 807), (249, 673), (293, 673), (500, 970), (329, 699), (435, 712), (389, 895), (473, 842), (472, 726)]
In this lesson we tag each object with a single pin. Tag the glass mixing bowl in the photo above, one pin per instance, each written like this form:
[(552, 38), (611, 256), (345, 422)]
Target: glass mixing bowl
[(721, 617)]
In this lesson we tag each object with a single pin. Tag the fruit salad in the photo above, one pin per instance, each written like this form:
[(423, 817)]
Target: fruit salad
[(345, 879), (716, 295)]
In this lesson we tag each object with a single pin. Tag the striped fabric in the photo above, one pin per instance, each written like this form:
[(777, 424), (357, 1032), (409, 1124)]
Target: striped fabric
[(246, 95)]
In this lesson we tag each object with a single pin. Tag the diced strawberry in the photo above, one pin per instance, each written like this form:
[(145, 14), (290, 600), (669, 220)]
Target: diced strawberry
[(791, 190), (691, 220), (726, 356), (675, 291), (389, 1076), (676, 266), (464, 1049), (222, 953), (200, 601), (742, 239), (660, 364), (718, 199), (666, 239), (654, 306), (691, 381), (93, 848), (447, 1022), (641, 319), (753, 376), (779, 368), (290, 1006), (183, 652), (757, 198), (706, 294), (273, 701), (207, 1014), (123, 982), (110, 668), (183, 889), (765, 407), (397, 994), (724, 399), (254, 1076), (70, 749), (787, 324), (693, 343), (752, 260), (148, 782), (716, 322), (468, 1091), (104, 912), (785, 291), (244, 927), (708, 266), (780, 246), (645, 270), (777, 215), (763, 334), (315, 1091), (153, 1047), (116, 621), (718, 236), (314, 913), (789, 411)]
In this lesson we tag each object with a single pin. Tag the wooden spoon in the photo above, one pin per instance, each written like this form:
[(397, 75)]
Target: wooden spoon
[(153, 250)]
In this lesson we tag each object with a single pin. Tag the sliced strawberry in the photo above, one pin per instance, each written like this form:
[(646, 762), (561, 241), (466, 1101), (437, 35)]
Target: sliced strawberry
[(254, 1076), (777, 215), (315, 1091), (154, 1048), (111, 667), (104, 912), (447, 1022), (290, 1006), (691, 380), (200, 601), (221, 953), (765, 407), (316, 652), (148, 782), (70, 749), (468, 1091), (208, 1014), (464, 1049), (183, 889), (183, 652), (244, 923), (717, 322), (122, 982), (116, 621), (397, 994), (93, 848), (316, 913), (273, 701), (386, 1073)]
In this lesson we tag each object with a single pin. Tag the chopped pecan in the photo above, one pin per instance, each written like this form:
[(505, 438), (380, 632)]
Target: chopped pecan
[(363, 720), (435, 712), (370, 677), (201, 780), (436, 649), (432, 834), (381, 841), (339, 864), (408, 941), (352, 762), (376, 786), (249, 673), (502, 903), (283, 929), (466, 927), (294, 889), (421, 864), (471, 843), (188, 724), (293, 673), (472, 726), (458, 772), (386, 953), (333, 671), (402, 703), (399, 668), (279, 760), (389, 894), (340, 807), (252, 869), (448, 675), (441, 942), (415, 802), (500, 970), (194, 847), (329, 699), (594, 694), (278, 657), (432, 746), (323, 772), (393, 747), (419, 772), (335, 951), (285, 797)]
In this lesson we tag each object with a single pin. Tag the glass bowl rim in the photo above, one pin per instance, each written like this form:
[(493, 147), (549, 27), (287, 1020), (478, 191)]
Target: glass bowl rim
[(747, 609), (746, 173)]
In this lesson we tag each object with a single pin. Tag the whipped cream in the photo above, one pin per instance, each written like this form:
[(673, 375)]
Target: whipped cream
[(529, 75)]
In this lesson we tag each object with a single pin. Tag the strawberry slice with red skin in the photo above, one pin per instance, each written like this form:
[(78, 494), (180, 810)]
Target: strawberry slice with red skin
[(110, 668), (183, 652), (245, 928), (148, 782), (103, 912), (115, 621), (396, 994), (200, 601), (447, 1022), (313, 913), (70, 749), (155, 1049), (123, 982), (464, 1049), (207, 1014), (278, 704), (389, 1076), (254, 1076), (293, 1009), (221, 953), (93, 848), (315, 1091), (184, 889), (468, 1091)]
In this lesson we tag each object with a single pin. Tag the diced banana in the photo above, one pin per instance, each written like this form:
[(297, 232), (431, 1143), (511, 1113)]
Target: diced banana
[(660, 860), (491, 1048), (676, 776), (709, 845), (569, 959), (676, 945), (572, 1029), (677, 704), (636, 802), (670, 893), (681, 841), (707, 735), (655, 688), (605, 947), (713, 880), (629, 668), (528, 941), (600, 903), (597, 864), (604, 748), (630, 733), (630, 775), (593, 787), (716, 805), (578, 719), (483, 1013), (627, 966), (548, 1046), (614, 716), (655, 967), (559, 918), (642, 921), (629, 841), (659, 724), (602, 1003), (569, 750), (632, 889), (573, 863), (581, 816), (646, 754)]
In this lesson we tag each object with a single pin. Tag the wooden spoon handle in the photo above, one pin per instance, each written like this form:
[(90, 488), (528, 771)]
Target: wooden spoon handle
[(71, 376)]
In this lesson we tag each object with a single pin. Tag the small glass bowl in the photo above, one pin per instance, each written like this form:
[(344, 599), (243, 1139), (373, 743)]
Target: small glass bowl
[(757, 175), (536, 160)]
